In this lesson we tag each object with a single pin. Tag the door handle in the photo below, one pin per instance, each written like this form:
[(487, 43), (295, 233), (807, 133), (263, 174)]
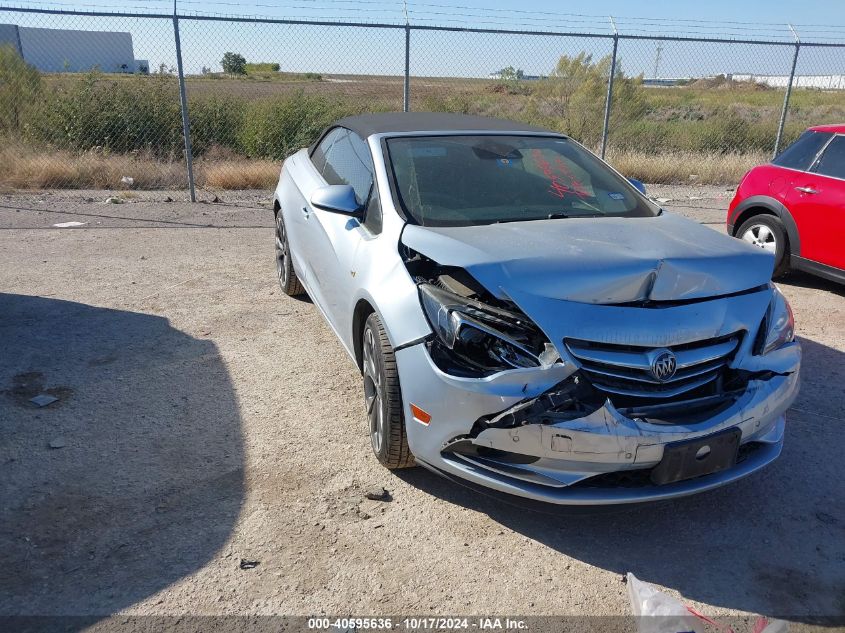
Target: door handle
[(809, 190)]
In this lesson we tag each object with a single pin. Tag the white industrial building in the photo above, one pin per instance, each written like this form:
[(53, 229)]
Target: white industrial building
[(820, 82), (64, 50)]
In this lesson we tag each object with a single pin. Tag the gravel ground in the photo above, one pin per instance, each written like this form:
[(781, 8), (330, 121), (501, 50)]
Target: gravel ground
[(203, 419)]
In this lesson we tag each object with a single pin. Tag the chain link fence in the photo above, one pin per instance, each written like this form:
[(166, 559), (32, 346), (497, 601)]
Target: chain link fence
[(64, 125), (109, 100)]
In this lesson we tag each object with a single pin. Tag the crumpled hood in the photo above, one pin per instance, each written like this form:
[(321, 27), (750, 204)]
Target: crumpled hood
[(598, 260)]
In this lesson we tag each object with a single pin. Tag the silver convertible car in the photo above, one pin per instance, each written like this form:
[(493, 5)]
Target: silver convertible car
[(526, 320)]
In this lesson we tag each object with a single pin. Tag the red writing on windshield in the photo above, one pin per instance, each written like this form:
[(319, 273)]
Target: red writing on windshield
[(562, 180)]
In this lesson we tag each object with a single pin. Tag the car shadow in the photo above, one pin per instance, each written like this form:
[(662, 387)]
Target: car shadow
[(772, 544), (811, 282), (130, 480)]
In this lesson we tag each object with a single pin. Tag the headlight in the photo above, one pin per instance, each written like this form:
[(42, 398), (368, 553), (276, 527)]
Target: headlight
[(778, 325), (482, 338)]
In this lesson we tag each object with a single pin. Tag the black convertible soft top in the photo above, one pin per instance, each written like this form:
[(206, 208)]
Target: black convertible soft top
[(365, 125), (391, 122)]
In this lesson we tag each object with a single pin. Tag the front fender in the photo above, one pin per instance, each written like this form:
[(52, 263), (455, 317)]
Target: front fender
[(395, 298)]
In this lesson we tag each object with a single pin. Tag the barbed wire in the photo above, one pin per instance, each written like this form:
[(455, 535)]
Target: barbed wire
[(464, 15)]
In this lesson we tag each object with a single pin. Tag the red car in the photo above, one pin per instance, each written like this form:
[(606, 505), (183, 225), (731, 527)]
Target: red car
[(794, 207)]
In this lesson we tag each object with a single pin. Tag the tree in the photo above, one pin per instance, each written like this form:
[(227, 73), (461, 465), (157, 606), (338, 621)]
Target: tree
[(573, 96), (510, 81), (20, 86), (511, 74), (233, 64)]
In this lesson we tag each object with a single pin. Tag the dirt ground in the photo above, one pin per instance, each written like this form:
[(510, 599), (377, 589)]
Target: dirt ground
[(203, 419)]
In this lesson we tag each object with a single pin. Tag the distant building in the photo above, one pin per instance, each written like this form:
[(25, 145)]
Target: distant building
[(9, 35), (63, 50), (821, 82)]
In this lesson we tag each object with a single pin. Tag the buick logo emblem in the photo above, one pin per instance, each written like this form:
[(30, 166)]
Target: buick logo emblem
[(664, 365)]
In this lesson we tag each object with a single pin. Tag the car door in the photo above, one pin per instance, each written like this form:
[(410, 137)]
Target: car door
[(305, 177), (333, 237), (817, 203)]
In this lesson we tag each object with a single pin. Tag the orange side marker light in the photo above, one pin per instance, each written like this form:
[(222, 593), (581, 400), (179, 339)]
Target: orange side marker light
[(420, 416)]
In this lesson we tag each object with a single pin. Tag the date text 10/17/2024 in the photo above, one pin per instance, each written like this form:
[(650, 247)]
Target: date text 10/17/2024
[(417, 624)]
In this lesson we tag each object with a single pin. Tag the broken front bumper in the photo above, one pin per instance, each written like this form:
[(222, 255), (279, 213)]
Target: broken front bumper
[(602, 457)]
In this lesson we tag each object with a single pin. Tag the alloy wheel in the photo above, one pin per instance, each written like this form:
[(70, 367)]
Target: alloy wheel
[(281, 250), (762, 236), (373, 391)]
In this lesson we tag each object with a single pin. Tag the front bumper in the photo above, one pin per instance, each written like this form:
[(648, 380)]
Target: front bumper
[(596, 459)]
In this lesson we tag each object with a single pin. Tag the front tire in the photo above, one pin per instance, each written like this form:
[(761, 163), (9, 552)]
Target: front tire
[(383, 398), (768, 233), (288, 281)]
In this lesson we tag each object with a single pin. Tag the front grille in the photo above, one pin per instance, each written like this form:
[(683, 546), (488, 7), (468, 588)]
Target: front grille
[(625, 370)]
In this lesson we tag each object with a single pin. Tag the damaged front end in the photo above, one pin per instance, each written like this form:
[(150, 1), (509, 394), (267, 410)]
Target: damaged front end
[(583, 420), (475, 334), (570, 436)]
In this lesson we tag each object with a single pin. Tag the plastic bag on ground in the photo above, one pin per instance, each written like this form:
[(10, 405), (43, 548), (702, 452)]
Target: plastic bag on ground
[(657, 612)]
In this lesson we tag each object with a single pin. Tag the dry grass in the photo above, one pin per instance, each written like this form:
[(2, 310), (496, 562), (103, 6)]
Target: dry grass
[(22, 167), (684, 167), (238, 174)]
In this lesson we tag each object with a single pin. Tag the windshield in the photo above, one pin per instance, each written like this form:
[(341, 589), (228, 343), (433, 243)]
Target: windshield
[(483, 179)]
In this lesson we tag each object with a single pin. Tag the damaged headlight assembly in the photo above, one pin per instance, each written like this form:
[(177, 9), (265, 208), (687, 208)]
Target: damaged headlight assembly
[(479, 339), (778, 326)]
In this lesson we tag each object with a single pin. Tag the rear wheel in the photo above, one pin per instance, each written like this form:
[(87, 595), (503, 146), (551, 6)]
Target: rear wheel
[(767, 232), (383, 398), (288, 280)]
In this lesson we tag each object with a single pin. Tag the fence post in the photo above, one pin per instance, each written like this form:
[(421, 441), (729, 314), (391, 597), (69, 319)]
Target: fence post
[(183, 102), (609, 99), (788, 92), (406, 91)]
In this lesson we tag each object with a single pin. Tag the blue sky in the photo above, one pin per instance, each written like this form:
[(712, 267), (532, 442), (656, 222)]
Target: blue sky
[(751, 12), (825, 12), (373, 51)]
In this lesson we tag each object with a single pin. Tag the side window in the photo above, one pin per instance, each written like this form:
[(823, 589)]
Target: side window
[(801, 153), (372, 218), (321, 152), (349, 163), (832, 162)]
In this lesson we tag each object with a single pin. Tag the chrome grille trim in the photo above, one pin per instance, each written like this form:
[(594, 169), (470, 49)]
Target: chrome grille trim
[(689, 372), (626, 370), (655, 393)]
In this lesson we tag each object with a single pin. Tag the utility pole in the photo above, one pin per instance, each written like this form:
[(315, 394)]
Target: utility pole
[(657, 60)]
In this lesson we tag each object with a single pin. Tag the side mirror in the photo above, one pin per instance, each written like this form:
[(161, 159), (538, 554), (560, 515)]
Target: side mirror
[(638, 184), (337, 199)]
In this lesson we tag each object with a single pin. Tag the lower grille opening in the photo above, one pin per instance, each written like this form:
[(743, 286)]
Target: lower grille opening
[(502, 467), (467, 448), (692, 407)]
